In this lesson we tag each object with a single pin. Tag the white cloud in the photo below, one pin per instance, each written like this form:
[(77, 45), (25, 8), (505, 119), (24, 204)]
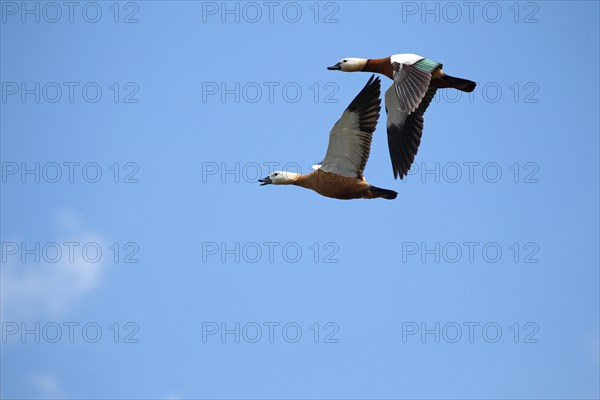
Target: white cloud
[(48, 386), (49, 289)]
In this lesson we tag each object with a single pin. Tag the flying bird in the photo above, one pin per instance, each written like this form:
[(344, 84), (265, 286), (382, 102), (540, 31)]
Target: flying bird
[(340, 174), (416, 79)]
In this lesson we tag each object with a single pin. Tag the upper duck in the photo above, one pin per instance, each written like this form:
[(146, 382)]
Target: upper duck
[(340, 174), (416, 79)]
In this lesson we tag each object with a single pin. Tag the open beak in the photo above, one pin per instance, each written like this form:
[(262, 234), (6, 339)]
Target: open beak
[(265, 181), (336, 67)]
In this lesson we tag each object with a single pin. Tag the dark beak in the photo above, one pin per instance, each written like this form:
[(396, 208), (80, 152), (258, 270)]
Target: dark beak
[(336, 67), (265, 181)]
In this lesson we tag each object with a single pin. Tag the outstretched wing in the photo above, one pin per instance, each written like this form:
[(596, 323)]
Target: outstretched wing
[(350, 137), (412, 75), (404, 130), (411, 84)]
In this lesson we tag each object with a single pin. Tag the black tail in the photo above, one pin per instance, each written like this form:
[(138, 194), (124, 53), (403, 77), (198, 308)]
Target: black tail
[(384, 193), (464, 85)]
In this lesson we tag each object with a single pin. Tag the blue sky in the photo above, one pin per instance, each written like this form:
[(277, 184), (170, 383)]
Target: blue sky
[(140, 259)]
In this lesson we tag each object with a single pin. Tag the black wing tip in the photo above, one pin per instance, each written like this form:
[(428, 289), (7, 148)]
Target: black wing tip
[(373, 82), (400, 173), (372, 85), (367, 104), (373, 78)]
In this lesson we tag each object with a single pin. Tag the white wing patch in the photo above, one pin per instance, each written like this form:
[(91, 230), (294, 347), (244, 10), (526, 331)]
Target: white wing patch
[(408, 59), (350, 137), (347, 145), (392, 107)]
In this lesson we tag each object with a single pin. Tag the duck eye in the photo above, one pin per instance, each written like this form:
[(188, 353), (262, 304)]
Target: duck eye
[(275, 174), (345, 60)]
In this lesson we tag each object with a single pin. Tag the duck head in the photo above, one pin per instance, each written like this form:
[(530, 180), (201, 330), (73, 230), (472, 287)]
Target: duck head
[(349, 65), (279, 178)]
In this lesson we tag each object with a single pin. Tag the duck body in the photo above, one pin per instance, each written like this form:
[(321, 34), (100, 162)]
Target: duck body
[(383, 66), (329, 184), (439, 79)]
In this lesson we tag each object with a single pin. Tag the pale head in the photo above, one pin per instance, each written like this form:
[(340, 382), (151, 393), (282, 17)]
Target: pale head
[(349, 65), (279, 178)]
